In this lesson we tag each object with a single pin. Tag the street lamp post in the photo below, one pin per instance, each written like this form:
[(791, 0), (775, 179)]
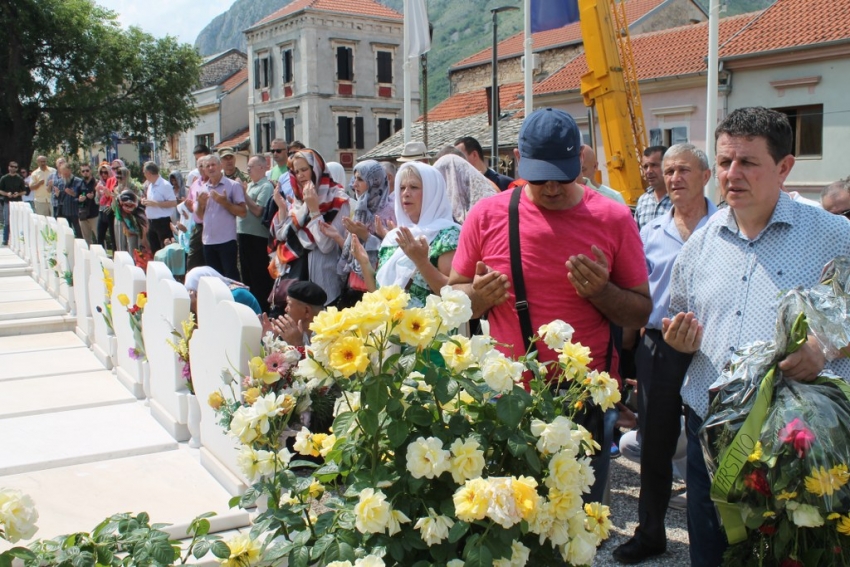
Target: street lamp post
[(494, 89)]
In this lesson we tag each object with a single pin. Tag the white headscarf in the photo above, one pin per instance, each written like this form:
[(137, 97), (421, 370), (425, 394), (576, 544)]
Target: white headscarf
[(464, 184), (337, 172), (436, 216)]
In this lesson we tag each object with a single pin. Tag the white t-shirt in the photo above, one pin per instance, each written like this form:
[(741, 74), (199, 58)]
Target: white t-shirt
[(160, 190)]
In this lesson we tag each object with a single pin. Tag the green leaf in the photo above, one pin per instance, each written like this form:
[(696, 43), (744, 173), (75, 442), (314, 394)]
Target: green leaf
[(533, 461), (339, 551), (320, 546), (201, 548), (368, 421), (510, 409), (220, 549), (397, 432), (300, 557), (162, 552), (302, 538), (478, 556), (418, 415), (395, 408), (458, 531), (517, 444), (396, 549), (446, 389), (375, 396), (279, 549), (203, 527), (343, 422)]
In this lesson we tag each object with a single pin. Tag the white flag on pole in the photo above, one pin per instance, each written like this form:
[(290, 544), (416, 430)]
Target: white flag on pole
[(420, 38)]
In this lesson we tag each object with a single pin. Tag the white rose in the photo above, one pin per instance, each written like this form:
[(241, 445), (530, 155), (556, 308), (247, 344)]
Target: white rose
[(369, 561), (427, 458), (554, 436), (804, 515), (434, 528), (499, 372), (17, 515), (453, 307), (556, 334)]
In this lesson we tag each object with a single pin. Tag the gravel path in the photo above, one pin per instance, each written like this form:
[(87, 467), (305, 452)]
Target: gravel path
[(625, 487)]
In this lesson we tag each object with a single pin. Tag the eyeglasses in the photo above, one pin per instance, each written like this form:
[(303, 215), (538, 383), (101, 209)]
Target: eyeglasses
[(115, 168), (104, 172), (119, 177), (13, 167), (85, 171), (845, 213), (277, 151)]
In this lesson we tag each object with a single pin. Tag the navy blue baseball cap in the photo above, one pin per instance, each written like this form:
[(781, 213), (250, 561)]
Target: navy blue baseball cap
[(549, 146)]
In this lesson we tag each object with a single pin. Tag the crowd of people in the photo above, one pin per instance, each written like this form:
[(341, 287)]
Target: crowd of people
[(662, 295)]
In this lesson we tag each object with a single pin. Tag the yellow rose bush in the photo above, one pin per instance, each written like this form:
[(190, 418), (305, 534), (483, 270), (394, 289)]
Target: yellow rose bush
[(442, 451)]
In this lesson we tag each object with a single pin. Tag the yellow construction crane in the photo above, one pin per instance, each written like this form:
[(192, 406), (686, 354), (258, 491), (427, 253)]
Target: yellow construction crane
[(611, 86)]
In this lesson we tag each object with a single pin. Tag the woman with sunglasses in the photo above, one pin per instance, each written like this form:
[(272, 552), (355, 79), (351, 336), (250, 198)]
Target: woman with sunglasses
[(123, 183), (131, 220), (105, 193)]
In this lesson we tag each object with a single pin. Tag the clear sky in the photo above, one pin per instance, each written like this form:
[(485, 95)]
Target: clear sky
[(183, 19)]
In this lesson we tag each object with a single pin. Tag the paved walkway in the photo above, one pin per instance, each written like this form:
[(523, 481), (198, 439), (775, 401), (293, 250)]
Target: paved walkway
[(74, 439)]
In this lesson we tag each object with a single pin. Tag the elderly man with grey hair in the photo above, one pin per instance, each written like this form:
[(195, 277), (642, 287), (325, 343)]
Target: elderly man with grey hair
[(160, 204), (835, 197), (218, 207), (686, 171)]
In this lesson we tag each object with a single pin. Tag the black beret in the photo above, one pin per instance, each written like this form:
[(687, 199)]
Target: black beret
[(307, 292)]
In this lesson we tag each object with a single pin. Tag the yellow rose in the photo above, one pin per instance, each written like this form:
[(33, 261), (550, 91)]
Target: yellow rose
[(434, 528), (372, 512), (564, 504), (316, 489), (348, 356), (575, 359), (396, 519), (426, 457), (525, 495), (418, 327), (329, 324), (287, 403), (457, 353), (471, 500), (597, 520), (142, 300), (244, 551), (123, 299), (467, 460), (215, 400), (250, 395)]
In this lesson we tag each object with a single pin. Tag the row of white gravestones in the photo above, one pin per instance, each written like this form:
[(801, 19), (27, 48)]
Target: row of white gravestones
[(227, 335)]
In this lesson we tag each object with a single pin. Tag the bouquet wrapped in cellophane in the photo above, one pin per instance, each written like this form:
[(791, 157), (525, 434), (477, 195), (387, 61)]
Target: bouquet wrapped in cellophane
[(778, 450)]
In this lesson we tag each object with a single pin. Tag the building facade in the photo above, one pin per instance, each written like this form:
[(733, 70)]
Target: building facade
[(329, 74)]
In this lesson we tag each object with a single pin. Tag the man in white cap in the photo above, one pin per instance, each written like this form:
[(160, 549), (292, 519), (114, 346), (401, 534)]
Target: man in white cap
[(581, 257)]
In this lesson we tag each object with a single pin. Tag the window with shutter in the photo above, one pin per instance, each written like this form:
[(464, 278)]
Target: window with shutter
[(256, 73), (398, 124), (343, 126), (289, 129), (359, 141), (270, 67), (344, 63), (258, 138), (265, 72), (385, 126), (385, 67), (287, 66)]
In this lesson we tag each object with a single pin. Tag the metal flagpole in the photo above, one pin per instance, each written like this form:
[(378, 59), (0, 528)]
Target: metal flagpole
[(711, 100), (529, 58), (408, 119)]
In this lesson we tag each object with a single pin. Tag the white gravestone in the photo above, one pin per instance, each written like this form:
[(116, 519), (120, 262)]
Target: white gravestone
[(130, 281), (32, 242), (52, 256), (167, 308), (100, 267), (227, 334), (82, 276), (40, 265), (65, 264)]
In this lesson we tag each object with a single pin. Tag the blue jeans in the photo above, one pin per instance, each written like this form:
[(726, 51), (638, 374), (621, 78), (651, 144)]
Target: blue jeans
[(601, 462), (707, 538)]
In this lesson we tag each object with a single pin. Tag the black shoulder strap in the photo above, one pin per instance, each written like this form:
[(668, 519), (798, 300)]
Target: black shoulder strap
[(521, 304)]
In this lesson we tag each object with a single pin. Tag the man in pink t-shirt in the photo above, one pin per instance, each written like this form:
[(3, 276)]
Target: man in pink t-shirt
[(582, 255)]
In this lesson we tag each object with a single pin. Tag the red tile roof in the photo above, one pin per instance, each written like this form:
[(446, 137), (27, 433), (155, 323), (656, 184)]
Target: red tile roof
[(792, 23), (357, 7), (571, 33), (654, 57), (235, 140), (474, 102), (235, 80)]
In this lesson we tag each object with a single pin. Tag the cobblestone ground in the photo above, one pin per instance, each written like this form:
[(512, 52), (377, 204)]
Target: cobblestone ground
[(625, 487)]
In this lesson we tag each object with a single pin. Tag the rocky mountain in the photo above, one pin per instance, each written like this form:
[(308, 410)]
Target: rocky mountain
[(461, 28)]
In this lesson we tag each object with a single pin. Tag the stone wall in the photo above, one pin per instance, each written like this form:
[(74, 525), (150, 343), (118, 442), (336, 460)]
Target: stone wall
[(510, 70), (216, 71), (673, 14)]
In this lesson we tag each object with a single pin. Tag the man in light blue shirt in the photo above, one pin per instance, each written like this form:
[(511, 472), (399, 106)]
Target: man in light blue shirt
[(659, 373), (728, 281)]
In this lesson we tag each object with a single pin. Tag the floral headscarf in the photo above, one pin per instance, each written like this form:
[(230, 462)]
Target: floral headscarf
[(374, 201), (464, 184), (291, 239)]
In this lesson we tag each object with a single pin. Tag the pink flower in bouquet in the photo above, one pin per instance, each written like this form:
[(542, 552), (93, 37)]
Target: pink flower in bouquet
[(276, 362), (757, 480), (134, 354), (798, 435)]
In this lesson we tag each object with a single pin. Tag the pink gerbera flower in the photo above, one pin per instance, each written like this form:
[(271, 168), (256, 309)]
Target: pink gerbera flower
[(276, 362)]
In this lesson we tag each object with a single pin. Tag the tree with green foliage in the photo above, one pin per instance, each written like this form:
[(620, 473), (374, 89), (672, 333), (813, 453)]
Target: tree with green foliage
[(71, 76)]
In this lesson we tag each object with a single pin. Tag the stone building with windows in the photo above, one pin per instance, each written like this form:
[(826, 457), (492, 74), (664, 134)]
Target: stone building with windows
[(327, 73), (221, 103)]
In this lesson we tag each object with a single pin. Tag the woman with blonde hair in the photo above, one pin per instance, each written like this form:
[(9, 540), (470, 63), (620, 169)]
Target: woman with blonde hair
[(417, 254)]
